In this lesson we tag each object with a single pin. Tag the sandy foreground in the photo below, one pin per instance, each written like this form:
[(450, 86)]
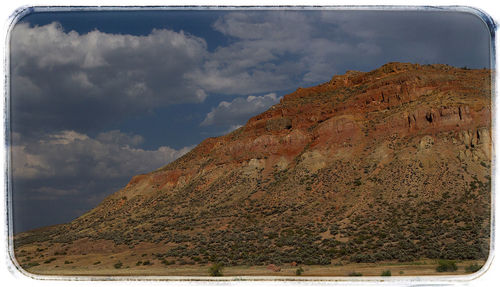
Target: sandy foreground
[(61, 268)]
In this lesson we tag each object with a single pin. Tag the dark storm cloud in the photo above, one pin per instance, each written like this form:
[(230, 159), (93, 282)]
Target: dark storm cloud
[(455, 38)]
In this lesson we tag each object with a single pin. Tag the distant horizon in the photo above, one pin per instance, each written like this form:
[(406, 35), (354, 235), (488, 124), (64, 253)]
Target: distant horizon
[(98, 97)]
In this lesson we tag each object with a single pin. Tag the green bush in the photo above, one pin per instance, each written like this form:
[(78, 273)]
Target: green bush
[(473, 268), (446, 266), (386, 273), (216, 269), (118, 265), (354, 273), (299, 271)]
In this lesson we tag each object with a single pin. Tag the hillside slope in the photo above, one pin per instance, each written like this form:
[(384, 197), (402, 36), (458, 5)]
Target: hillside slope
[(392, 164)]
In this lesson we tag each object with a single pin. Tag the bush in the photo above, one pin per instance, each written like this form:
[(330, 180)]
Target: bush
[(49, 260), (216, 269), (118, 265), (97, 262), (446, 266), (386, 273), (30, 264), (354, 273), (299, 271), (472, 268)]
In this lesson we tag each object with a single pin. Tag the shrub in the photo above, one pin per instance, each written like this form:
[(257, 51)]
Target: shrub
[(30, 264), (299, 271), (354, 273), (166, 262), (473, 268), (118, 265), (446, 266), (49, 260), (97, 262), (386, 273), (216, 269)]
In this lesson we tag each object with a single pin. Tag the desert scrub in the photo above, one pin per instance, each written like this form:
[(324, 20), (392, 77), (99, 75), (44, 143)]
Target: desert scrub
[(30, 264), (386, 273), (354, 273), (49, 260), (446, 266), (118, 265), (215, 269), (473, 268), (299, 271)]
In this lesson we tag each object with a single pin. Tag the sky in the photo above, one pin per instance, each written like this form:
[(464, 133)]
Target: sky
[(97, 97)]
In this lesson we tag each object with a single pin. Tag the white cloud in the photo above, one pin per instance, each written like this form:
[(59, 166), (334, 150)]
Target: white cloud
[(57, 76), (276, 50), (239, 110), (70, 154)]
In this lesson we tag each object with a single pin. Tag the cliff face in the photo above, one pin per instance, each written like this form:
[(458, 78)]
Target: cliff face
[(352, 110), (392, 164)]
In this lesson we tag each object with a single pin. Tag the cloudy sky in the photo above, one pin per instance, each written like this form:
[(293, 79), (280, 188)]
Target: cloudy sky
[(97, 97)]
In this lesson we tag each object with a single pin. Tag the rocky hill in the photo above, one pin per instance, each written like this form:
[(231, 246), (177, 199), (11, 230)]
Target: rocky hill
[(392, 164)]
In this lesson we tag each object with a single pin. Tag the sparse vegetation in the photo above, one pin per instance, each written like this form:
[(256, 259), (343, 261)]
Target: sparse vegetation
[(386, 273), (30, 264), (49, 260), (446, 266), (473, 268), (216, 269)]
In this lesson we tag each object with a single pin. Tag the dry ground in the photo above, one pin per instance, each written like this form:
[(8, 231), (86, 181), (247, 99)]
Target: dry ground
[(89, 266)]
